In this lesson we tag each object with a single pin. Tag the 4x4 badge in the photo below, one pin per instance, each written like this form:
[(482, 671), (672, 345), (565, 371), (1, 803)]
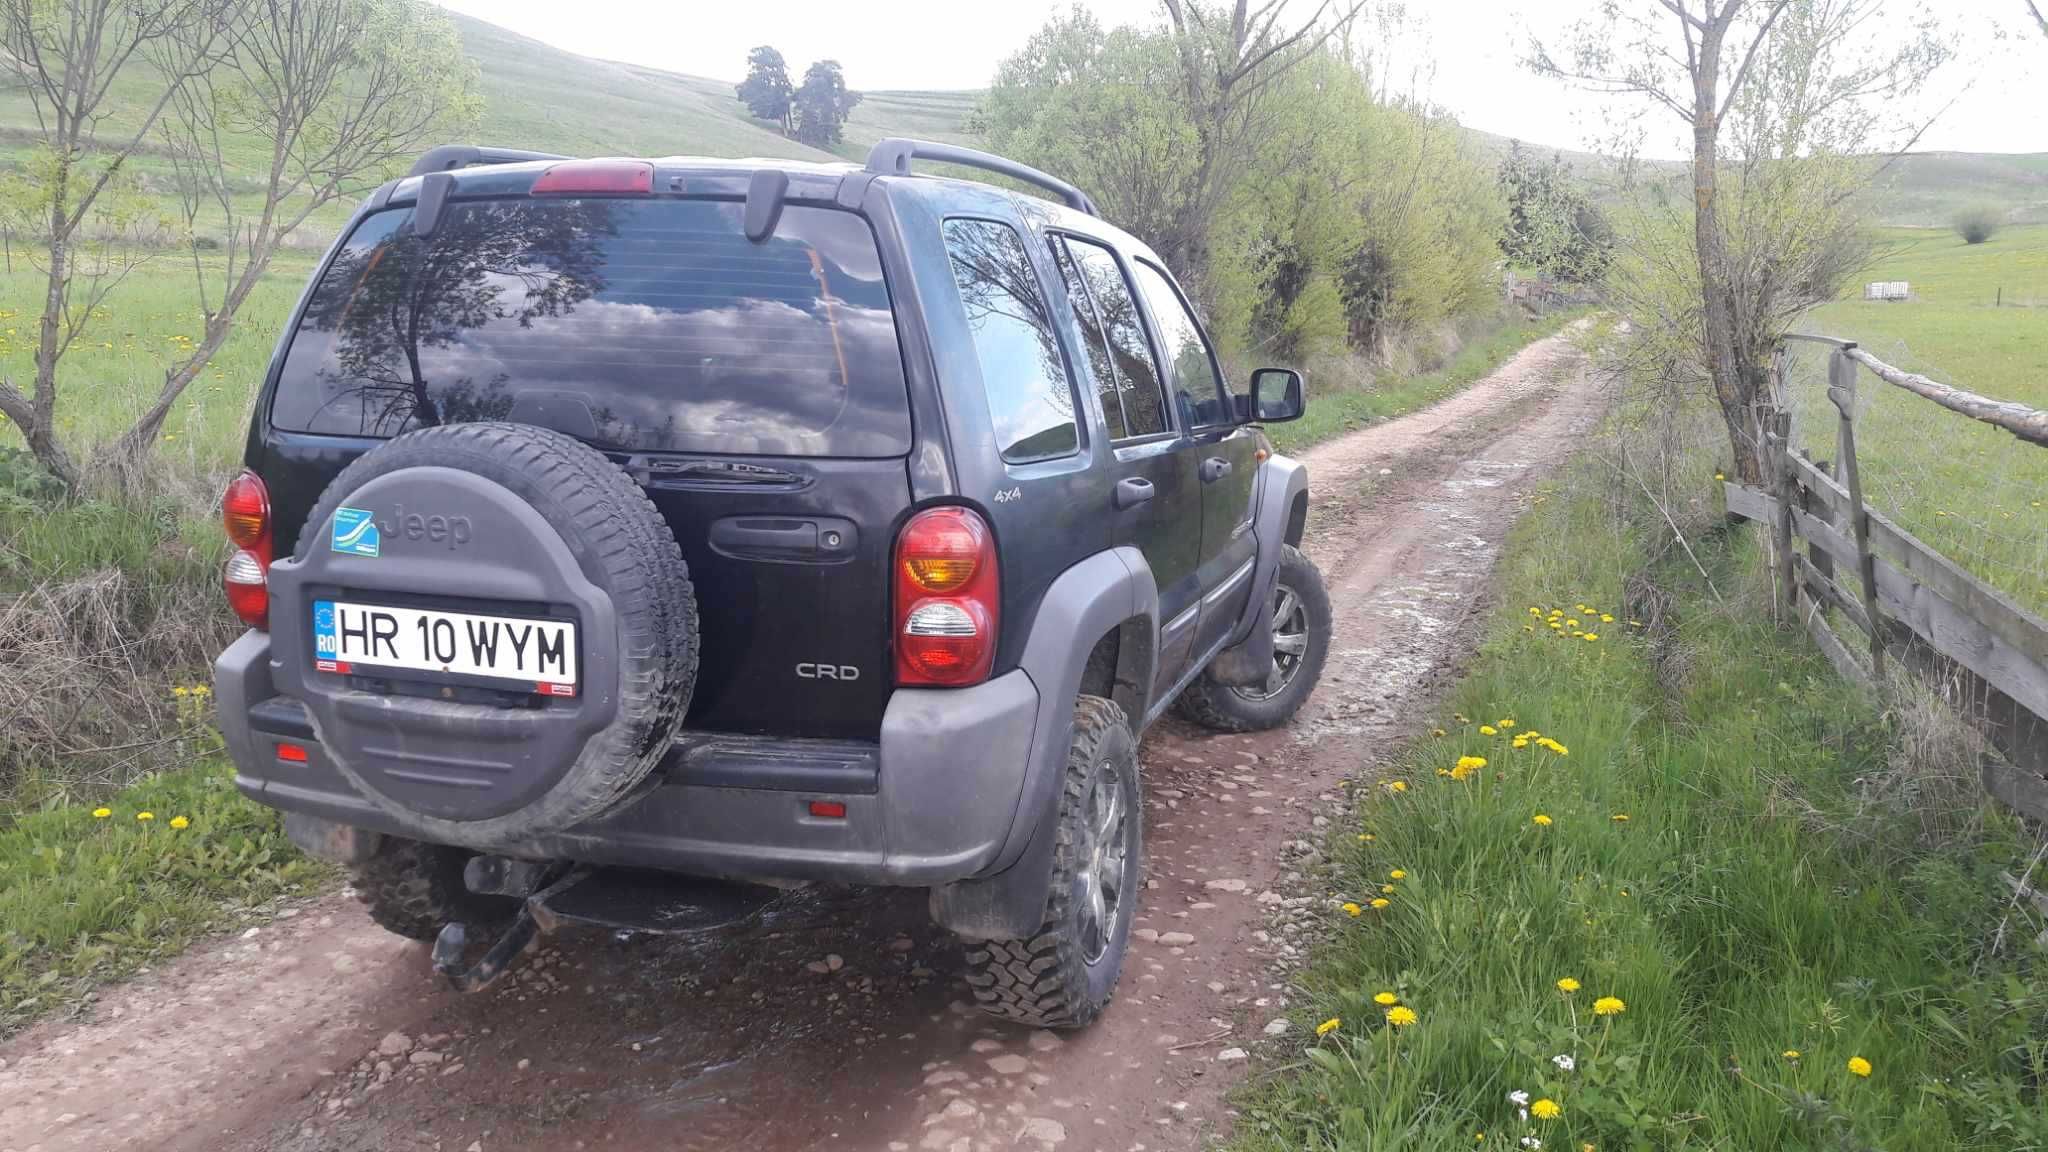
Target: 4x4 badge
[(355, 532)]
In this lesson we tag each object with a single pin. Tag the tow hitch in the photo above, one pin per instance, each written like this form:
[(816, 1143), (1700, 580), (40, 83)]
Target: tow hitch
[(555, 896)]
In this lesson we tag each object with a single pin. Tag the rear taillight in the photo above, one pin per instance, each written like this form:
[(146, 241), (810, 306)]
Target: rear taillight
[(245, 512), (946, 599), (596, 178)]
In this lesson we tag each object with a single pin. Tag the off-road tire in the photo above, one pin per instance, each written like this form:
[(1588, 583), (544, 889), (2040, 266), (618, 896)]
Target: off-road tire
[(608, 522), (1226, 709), (413, 889), (1045, 980)]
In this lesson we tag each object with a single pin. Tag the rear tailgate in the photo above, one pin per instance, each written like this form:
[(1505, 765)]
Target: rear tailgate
[(755, 389)]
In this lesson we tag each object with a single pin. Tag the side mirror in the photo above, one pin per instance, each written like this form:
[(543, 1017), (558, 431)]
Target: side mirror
[(1276, 396)]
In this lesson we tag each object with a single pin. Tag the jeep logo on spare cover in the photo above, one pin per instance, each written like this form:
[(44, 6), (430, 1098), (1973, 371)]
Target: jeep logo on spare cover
[(551, 632), (360, 533)]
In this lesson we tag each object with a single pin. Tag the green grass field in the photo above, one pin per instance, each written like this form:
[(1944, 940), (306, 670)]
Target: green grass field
[(1972, 491), (1700, 845)]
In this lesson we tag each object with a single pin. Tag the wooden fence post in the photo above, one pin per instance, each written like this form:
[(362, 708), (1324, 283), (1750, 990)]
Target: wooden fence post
[(1781, 521), (1842, 391)]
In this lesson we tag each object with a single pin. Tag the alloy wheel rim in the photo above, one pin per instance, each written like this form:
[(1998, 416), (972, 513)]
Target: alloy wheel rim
[(1104, 860), (1289, 622)]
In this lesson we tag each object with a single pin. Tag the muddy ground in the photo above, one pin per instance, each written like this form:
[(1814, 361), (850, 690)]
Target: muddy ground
[(839, 1018)]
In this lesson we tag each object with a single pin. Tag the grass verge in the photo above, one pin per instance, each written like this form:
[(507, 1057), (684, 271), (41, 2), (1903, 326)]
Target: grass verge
[(86, 897), (1335, 411), (1791, 965)]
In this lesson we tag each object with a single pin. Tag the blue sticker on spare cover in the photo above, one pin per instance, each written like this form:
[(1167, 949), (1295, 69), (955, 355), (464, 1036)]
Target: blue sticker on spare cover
[(355, 532)]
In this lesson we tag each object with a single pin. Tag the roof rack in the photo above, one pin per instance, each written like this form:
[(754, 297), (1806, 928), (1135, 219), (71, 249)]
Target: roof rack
[(449, 157), (892, 157)]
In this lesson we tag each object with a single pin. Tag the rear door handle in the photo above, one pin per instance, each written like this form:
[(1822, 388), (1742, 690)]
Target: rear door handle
[(1133, 491), (1214, 468)]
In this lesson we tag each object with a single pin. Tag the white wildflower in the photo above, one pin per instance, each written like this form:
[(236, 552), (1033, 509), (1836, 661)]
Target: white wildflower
[(1518, 1098), (1564, 1062), (1531, 1142)]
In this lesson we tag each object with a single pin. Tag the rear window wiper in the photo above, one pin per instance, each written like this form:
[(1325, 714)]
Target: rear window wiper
[(652, 470)]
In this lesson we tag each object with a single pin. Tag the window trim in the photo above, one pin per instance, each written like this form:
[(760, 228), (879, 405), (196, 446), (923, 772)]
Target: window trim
[(1172, 430), (1087, 295), (1081, 430), (1208, 346)]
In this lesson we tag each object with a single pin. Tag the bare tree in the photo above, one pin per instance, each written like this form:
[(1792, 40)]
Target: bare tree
[(334, 94), (1701, 60), (67, 58), (1228, 59), (2035, 10)]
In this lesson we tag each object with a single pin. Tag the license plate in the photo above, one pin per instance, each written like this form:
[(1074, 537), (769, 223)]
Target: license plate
[(541, 654)]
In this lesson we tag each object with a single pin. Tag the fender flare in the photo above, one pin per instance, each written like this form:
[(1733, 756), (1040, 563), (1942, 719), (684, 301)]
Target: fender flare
[(1099, 595), (1280, 517)]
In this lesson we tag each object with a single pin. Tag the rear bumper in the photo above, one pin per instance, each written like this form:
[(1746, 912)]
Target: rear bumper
[(934, 801)]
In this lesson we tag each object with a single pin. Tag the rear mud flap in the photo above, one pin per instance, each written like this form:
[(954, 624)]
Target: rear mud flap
[(561, 896)]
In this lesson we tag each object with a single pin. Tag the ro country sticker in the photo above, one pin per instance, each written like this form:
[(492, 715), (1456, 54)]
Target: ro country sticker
[(355, 533)]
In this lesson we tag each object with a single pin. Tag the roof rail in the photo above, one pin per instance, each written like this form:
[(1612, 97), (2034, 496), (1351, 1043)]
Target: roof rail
[(892, 157), (449, 157)]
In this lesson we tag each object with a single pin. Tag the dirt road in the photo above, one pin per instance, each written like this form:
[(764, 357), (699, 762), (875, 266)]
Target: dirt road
[(839, 1020)]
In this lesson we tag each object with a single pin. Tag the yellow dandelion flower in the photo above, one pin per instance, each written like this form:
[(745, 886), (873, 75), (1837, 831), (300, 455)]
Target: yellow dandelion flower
[(1567, 985), (1352, 909), (1720, 476), (1401, 1017), (1606, 619), (1471, 763), (1859, 1066), (1572, 623), (180, 822), (102, 813), (1535, 611), (1790, 1053), (1367, 837), (1488, 730), (1380, 901), (1619, 817), (1609, 1006), (145, 817), (1545, 1109), (1507, 723), (1580, 608), (1328, 1026), (1398, 786), (1520, 742), (1386, 999), (1387, 888), (181, 690), (1436, 732), (1540, 820), (1398, 874)]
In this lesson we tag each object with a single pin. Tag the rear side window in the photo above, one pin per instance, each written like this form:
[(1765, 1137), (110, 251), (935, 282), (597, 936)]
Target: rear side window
[(1090, 323), (1197, 390), (1137, 371), (637, 325), (1028, 398)]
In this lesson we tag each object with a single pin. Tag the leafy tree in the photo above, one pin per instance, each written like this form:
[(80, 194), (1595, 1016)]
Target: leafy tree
[(1552, 226), (766, 91), (1977, 224), (1794, 91), (822, 105), (336, 94), (76, 199)]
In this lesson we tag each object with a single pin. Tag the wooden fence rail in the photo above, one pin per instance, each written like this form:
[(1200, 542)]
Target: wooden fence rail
[(1911, 603)]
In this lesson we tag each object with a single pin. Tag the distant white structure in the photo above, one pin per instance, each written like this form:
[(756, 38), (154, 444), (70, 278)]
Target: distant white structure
[(1887, 290)]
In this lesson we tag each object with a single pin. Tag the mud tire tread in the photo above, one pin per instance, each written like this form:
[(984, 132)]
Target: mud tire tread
[(413, 889), (1043, 980)]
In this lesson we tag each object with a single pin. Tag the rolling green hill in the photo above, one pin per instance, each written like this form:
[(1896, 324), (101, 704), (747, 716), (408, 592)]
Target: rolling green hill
[(537, 96)]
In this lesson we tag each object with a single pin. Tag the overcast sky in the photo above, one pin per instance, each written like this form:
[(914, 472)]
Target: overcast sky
[(1462, 54)]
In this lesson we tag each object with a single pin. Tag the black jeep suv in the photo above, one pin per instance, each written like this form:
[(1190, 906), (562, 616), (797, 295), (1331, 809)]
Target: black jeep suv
[(701, 523)]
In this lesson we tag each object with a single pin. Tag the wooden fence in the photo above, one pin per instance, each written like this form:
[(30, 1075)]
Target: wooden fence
[(1911, 604)]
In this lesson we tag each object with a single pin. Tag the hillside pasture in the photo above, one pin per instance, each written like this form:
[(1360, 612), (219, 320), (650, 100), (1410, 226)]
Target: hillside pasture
[(1971, 491)]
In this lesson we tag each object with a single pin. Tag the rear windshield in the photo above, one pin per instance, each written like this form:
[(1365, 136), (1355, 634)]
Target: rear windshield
[(637, 325)]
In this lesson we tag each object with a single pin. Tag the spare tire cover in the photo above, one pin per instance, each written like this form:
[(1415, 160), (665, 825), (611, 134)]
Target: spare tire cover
[(494, 520)]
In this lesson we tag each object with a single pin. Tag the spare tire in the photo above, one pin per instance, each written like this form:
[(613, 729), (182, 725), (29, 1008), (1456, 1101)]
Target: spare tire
[(489, 522)]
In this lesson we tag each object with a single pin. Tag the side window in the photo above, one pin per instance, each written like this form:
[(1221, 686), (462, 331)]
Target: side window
[(1028, 396), (1138, 376), (1090, 323), (1197, 390)]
